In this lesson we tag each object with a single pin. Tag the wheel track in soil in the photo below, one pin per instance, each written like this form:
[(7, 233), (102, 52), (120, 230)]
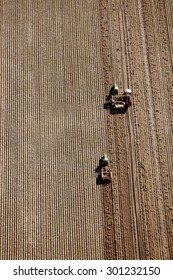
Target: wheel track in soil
[(153, 121), (147, 200), (125, 82), (159, 59), (148, 190), (118, 193), (109, 234), (159, 219)]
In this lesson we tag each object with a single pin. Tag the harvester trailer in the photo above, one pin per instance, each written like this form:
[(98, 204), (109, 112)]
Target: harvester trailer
[(119, 101)]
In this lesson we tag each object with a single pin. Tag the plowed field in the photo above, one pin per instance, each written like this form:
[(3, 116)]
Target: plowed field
[(59, 60)]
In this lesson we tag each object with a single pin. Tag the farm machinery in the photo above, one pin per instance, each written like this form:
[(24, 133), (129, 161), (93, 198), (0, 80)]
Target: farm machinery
[(105, 170), (119, 102)]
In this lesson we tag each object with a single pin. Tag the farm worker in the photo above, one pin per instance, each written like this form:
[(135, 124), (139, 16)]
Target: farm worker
[(128, 91), (128, 102)]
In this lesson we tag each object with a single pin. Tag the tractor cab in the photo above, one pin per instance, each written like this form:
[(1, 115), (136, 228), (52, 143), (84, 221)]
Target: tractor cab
[(104, 160)]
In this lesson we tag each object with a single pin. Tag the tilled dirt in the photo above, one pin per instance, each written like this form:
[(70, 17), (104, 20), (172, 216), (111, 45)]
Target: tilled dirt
[(59, 60)]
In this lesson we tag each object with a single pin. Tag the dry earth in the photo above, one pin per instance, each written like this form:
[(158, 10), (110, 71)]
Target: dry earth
[(58, 61)]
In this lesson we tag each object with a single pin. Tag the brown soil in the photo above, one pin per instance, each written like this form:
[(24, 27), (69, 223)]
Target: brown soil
[(58, 62)]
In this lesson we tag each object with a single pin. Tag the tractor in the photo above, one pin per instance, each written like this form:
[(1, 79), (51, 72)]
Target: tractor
[(105, 170), (119, 102)]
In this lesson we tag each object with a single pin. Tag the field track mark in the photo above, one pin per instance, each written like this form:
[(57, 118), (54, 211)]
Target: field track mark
[(110, 247), (133, 190), (160, 117), (132, 150), (129, 215), (123, 220), (125, 192), (154, 196), (146, 201)]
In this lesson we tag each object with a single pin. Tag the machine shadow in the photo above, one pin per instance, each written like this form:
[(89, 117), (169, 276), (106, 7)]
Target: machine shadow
[(98, 171), (114, 111)]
